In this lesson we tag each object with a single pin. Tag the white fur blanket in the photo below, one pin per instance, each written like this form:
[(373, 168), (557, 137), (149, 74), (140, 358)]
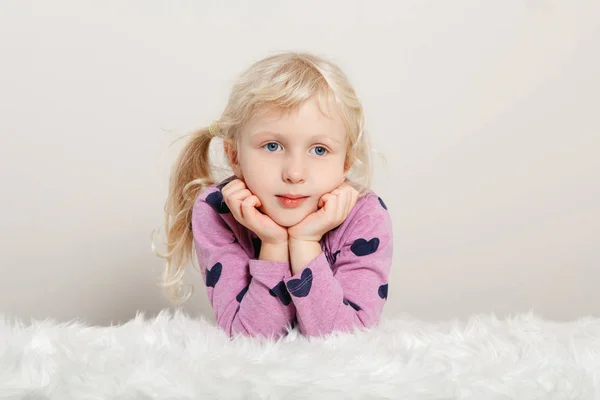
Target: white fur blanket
[(174, 356)]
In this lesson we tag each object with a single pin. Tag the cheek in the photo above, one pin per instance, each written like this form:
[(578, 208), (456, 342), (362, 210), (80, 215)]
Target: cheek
[(329, 182), (250, 173), (256, 186)]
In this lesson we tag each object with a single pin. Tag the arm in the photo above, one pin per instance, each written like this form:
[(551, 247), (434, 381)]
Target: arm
[(352, 292), (247, 295)]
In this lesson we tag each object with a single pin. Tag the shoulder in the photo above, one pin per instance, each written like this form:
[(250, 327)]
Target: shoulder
[(369, 216), (211, 211), (211, 198), (370, 213), (368, 205)]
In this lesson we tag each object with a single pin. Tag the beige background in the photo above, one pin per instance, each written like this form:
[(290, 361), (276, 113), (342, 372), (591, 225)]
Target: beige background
[(487, 114)]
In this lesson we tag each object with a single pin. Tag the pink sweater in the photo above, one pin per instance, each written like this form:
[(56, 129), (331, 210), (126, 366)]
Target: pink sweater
[(345, 287)]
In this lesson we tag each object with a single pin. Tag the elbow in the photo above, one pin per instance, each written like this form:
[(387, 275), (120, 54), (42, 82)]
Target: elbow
[(359, 321), (368, 320), (238, 326), (258, 332)]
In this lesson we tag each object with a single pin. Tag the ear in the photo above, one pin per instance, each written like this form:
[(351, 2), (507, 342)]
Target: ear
[(232, 156), (347, 165)]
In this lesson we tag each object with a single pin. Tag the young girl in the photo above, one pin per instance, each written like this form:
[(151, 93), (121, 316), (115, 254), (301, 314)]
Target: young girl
[(288, 239)]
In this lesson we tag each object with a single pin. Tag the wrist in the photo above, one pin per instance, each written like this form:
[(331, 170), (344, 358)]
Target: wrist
[(301, 241), (303, 245), (274, 251), (302, 252)]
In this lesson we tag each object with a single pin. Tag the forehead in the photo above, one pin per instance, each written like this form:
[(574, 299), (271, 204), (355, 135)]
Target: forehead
[(310, 119)]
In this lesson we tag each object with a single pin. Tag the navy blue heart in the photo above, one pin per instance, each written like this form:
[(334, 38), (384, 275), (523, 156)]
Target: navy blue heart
[(361, 247), (281, 292), (257, 244), (382, 203), (383, 291), (213, 275), (348, 302), (241, 294), (331, 259), (215, 199), (301, 287)]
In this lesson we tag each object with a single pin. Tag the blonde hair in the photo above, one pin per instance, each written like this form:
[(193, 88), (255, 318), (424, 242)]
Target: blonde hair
[(280, 82)]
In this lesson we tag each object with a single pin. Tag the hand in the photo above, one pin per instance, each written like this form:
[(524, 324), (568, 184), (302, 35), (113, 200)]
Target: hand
[(244, 207), (333, 209)]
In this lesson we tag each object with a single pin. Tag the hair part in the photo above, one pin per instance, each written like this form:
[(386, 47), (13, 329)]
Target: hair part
[(281, 82)]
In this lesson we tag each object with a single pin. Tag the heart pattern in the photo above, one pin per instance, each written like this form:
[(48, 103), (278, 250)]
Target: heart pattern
[(213, 275), (215, 199), (382, 203), (331, 258), (301, 287), (241, 294), (281, 292), (383, 291), (362, 247), (351, 304)]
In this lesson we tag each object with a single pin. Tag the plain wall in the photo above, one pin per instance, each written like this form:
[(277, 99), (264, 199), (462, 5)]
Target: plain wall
[(487, 114)]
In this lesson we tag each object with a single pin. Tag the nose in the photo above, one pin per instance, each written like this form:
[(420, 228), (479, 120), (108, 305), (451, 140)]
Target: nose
[(294, 169)]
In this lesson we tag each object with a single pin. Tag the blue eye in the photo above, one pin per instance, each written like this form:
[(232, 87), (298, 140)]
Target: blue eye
[(272, 146), (320, 150)]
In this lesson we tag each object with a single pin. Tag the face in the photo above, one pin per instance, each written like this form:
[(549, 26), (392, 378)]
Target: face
[(301, 153)]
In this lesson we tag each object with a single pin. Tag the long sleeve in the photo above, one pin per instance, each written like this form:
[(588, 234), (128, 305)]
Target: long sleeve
[(245, 293), (350, 289)]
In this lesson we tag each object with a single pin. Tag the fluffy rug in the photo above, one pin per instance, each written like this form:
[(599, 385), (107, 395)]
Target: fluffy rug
[(174, 356)]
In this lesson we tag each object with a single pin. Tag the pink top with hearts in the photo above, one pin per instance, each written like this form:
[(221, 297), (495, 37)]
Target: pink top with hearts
[(343, 288)]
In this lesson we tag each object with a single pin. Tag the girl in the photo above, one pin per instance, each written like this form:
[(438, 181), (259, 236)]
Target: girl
[(288, 239)]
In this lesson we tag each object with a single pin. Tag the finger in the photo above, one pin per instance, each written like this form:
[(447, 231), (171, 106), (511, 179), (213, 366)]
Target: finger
[(346, 204), (232, 186), (236, 210), (235, 199), (343, 186), (343, 205), (331, 205), (240, 195), (249, 207), (354, 197), (351, 200), (324, 199), (339, 189), (251, 214)]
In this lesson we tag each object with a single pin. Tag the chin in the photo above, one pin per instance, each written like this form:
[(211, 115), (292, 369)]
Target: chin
[(288, 218), (287, 221)]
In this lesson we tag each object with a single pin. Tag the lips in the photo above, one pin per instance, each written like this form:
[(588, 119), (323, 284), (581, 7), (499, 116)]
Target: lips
[(291, 196), (290, 200)]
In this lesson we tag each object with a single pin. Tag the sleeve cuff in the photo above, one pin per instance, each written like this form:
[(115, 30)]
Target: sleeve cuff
[(262, 268), (317, 268)]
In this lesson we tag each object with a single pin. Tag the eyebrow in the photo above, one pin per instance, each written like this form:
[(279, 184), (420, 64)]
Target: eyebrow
[(280, 136)]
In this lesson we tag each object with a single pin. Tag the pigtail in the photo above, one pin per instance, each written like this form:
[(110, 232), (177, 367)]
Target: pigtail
[(190, 174), (281, 82)]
